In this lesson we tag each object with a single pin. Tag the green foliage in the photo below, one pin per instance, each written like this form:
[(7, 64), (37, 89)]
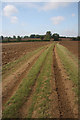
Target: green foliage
[(48, 35), (42, 37), (14, 37), (56, 37), (32, 36), (1, 39), (18, 38), (74, 38), (78, 38), (5, 41), (37, 36), (25, 36)]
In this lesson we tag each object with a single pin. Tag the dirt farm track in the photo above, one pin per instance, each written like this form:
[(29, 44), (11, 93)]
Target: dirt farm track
[(40, 80)]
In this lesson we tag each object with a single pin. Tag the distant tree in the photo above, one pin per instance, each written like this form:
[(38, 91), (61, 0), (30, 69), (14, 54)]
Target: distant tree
[(2, 37), (14, 37), (74, 38), (78, 38), (32, 36), (18, 38), (42, 37), (62, 36), (9, 39), (25, 36), (37, 36), (21, 37), (48, 35), (56, 37)]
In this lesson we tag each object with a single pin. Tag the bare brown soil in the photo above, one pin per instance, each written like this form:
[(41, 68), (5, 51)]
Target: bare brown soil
[(12, 51), (66, 39), (73, 46), (9, 87), (66, 97), (54, 110), (63, 99)]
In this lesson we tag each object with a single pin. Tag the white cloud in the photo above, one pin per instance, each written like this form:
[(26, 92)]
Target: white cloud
[(14, 19), (47, 5), (73, 14), (53, 5), (56, 20), (9, 10)]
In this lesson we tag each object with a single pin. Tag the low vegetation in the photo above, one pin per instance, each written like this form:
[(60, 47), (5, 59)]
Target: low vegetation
[(41, 99), (70, 63), (43, 90), (12, 66), (16, 101)]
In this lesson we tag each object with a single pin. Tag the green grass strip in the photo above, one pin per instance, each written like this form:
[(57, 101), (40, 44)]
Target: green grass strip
[(41, 99), (17, 100), (69, 64)]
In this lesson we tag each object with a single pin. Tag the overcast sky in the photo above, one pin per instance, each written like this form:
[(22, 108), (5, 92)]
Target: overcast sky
[(24, 18)]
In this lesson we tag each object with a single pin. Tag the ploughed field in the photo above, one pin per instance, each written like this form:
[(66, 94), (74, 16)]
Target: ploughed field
[(42, 82), (12, 51), (73, 46)]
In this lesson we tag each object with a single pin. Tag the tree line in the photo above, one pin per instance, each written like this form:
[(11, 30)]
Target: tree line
[(47, 37)]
